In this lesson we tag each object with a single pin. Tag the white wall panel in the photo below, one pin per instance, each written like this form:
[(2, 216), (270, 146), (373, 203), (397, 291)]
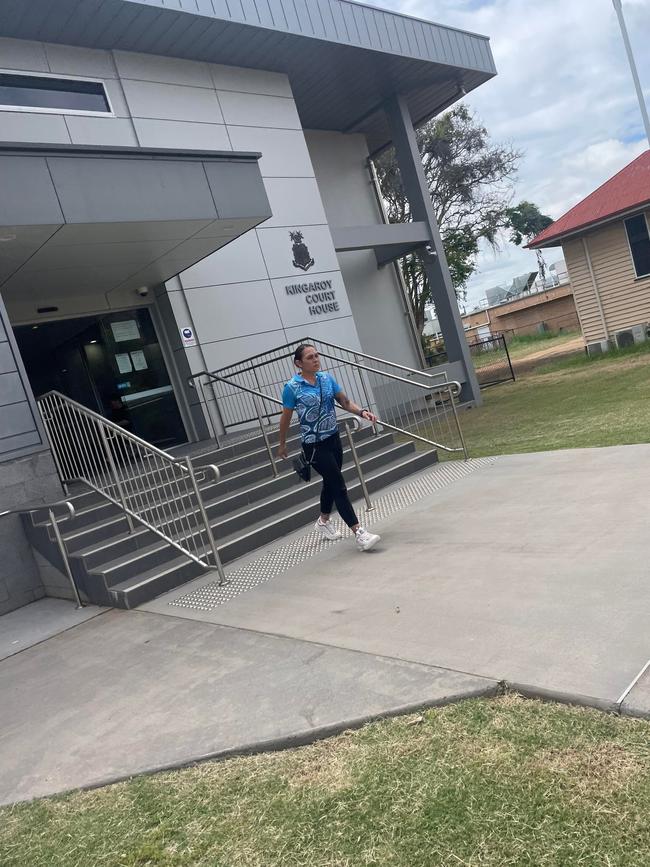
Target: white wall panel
[(172, 102), (294, 201), (340, 166), (250, 80), (181, 134), (229, 351), (343, 332), (168, 70), (238, 262), (21, 126), (21, 54), (305, 308), (278, 251), (247, 109), (101, 130), (284, 152), (72, 60), (246, 308)]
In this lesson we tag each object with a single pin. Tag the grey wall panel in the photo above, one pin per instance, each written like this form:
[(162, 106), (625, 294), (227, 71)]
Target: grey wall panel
[(96, 190), (11, 389), (24, 55), (171, 102), (72, 60), (7, 363), (153, 133), (101, 131), (25, 127), (236, 190), (166, 70), (27, 194), (17, 418), (19, 442)]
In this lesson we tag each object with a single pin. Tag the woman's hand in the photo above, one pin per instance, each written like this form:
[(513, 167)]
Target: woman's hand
[(282, 452)]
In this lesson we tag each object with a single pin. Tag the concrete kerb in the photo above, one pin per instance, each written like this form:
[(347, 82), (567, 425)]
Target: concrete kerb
[(311, 736), (280, 744)]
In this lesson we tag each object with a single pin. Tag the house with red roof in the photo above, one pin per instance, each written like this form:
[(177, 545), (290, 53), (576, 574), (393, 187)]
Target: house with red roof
[(606, 244)]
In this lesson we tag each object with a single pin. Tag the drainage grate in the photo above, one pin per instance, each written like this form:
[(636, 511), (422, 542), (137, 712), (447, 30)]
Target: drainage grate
[(286, 556)]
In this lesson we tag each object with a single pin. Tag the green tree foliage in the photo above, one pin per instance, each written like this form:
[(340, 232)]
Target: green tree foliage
[(470, 181), (526, 221)]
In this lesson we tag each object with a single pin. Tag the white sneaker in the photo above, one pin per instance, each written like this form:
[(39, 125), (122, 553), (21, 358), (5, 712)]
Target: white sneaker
[(366, 540), (327, 530)]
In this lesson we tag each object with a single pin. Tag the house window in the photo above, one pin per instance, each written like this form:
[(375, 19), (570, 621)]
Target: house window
[(637, 235), (45, 93)]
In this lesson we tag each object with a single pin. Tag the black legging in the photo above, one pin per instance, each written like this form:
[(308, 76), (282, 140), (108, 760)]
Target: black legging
[(328, 461)]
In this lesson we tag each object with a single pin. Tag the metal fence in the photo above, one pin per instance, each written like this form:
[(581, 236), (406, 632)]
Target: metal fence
[(490, 357), (492, 361)]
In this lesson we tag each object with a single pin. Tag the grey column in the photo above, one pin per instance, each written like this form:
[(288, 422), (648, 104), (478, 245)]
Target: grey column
[(435, 266)]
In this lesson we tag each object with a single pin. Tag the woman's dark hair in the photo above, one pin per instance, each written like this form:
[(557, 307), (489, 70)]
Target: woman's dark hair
[(300, 350)]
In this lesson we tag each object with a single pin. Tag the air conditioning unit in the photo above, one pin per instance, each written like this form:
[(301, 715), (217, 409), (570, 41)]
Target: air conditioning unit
[(598, 347), (625, 338), (630, 336)]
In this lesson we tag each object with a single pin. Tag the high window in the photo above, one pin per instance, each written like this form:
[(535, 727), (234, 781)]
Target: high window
[(44, 93), (637, 235)]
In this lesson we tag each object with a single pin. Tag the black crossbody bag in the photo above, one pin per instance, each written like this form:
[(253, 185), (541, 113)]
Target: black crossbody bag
[(301, 465)]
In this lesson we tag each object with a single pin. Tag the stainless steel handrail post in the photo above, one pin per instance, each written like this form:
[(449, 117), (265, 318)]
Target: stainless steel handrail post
[(274, 467), (458, 427), (355, 458), (64, 554), (206, 522), (118, 482)]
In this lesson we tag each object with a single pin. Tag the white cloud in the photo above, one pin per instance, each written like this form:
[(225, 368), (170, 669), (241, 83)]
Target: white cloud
[(563, 95)]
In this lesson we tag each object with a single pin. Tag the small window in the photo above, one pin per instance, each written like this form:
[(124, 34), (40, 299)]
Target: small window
[(637, 235), (52, 94)]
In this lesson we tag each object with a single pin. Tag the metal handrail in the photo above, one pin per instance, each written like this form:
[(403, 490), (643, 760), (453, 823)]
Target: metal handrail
[(156, 489), (54, 521), (107, 423), (259, 394), (400, 394), (454, 385), (381, 360)]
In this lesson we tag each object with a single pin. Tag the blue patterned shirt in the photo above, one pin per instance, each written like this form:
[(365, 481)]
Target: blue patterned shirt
[(314, 405)]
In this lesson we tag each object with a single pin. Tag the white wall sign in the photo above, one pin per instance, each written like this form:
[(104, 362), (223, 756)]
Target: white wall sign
[(187, 336)]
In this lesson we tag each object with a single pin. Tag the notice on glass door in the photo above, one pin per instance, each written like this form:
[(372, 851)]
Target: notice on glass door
[(125, 329), (138, 360), (123, 362)]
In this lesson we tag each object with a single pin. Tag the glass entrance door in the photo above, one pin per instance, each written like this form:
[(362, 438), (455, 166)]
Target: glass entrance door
[(112, 364)]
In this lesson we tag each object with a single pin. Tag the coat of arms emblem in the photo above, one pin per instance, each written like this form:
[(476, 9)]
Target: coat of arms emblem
[(301, 257)]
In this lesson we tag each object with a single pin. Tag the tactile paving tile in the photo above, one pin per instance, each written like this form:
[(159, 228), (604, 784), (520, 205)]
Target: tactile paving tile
[(280, 559)]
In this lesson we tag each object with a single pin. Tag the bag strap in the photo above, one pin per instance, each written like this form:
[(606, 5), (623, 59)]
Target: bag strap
[(320, 409)]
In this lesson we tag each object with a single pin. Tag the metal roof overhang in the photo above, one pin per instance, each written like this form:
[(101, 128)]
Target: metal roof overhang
[(343, 58), (86, 220), (578, 231)]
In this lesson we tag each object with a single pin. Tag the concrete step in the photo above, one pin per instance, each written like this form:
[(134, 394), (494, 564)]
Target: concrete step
[(173, 571), (218, 502), (268, 531), (144, 549)]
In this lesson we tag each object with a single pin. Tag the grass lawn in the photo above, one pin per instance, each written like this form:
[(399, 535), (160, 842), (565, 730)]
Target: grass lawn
[(570, 403), (486, 783)]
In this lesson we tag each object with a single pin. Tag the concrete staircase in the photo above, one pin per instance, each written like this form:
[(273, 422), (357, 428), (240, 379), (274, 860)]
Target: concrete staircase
[(247, 508)]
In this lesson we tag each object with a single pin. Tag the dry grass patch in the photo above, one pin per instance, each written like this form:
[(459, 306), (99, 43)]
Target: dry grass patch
[(486, 783)]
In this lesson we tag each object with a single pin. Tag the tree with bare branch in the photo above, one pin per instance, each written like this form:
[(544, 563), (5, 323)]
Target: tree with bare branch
[(470, 180)]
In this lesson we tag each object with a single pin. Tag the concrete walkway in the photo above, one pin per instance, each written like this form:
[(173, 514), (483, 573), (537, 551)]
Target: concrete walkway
[(533, 571)]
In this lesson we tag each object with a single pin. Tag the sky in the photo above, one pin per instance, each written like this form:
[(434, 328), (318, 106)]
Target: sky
[(563, 95)]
